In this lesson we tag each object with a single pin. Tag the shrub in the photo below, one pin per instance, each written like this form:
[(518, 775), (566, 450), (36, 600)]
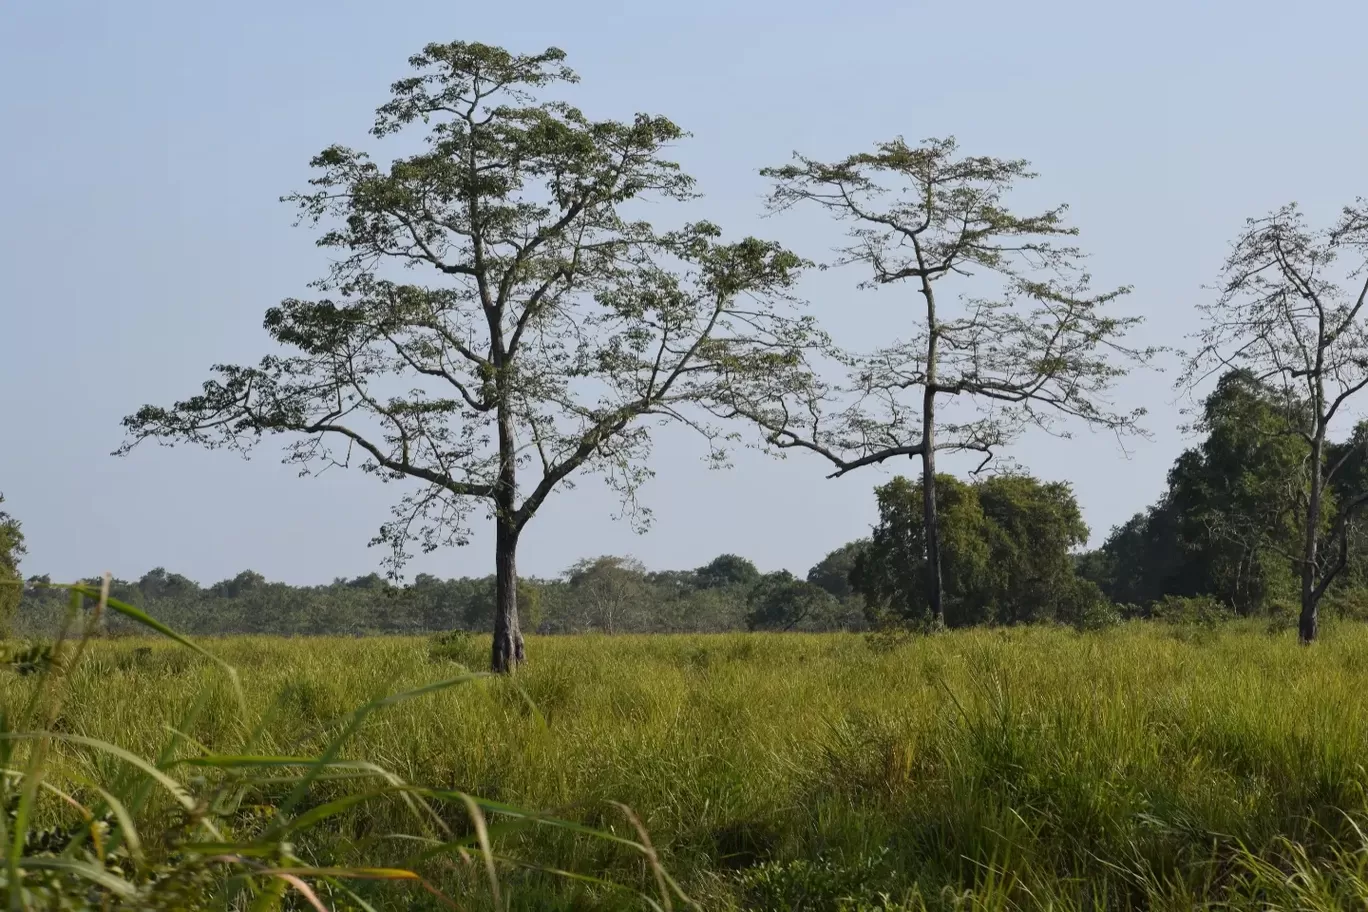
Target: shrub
[(1346, 604), (1080, 603), (460, 647), (1098, 615), (1195, 611), (804, 885)]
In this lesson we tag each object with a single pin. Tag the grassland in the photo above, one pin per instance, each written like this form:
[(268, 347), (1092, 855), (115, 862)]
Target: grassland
[(1143, 766)]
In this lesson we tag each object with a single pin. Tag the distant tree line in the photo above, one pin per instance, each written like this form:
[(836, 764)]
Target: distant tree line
[(1224, 538), (604, 594)]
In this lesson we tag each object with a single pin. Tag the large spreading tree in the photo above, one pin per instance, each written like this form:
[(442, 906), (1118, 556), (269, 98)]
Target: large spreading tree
[(1026, 342), (1291, 314), (495, 320)]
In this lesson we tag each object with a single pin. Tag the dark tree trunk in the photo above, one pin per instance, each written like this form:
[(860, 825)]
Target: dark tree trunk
[(934, 589), (1309, 622), (934, 592), (507, 653)]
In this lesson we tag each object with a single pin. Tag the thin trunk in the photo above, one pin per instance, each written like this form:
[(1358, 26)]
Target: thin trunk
[(508, 650), (934, 590), (930, 517), (1308, 624)]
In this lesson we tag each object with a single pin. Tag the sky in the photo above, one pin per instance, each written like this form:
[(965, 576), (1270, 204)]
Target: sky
[(145, 146)]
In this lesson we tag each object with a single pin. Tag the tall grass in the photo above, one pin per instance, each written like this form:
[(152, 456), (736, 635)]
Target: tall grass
[(1139, 767), (91, 824)]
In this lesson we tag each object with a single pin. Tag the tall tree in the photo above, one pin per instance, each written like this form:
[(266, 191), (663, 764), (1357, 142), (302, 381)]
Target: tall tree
[(608, 593), (11, 583), (1025, 344), (1291, 313), (551, 326)]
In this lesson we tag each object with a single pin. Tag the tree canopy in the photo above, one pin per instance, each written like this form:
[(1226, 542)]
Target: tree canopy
[(1291, 314), (1027, 344), (1007, 551), (494, 320)]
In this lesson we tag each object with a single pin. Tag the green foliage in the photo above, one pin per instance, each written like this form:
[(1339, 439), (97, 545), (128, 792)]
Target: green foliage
[(1230, 524), (606, 594), (833, 572), (890, 573), (90, 824), (1006, 545), (811, 884), (1195, 611), (1081, 603), (727, 570), (11, 583), (778, 601), (1016, 768)]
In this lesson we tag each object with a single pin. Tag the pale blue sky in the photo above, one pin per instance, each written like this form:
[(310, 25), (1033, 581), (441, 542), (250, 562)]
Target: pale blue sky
[(144, 146)]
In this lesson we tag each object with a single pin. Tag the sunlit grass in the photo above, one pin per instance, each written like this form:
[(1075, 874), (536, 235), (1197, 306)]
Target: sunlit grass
[(1143, 766)]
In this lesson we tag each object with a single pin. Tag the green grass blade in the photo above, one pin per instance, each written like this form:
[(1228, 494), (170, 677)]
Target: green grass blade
[(83, 869)]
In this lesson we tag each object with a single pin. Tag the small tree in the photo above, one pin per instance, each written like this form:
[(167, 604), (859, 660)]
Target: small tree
[(1291, 313), (11, 583), (781, 602), (608, 593), (552, 327), (1038, 347)]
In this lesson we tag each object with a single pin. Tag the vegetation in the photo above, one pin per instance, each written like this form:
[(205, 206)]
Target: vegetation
[(1161, 766), (553, 326), (1291, 312), (1134, 727), (11, 551), (606, 594), (1231, 524), (1041, 347), (216, 822), (1005, 549)]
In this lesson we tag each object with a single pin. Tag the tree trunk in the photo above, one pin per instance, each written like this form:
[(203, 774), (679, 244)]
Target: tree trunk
[(507, 651), (1309, 622), (934, 592)]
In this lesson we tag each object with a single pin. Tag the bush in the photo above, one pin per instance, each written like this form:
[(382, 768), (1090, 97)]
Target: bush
[(458, 646), (1080, 603), (1346, 604), (801, 885), (1099, 615), (1196, 611), (1282, 616)]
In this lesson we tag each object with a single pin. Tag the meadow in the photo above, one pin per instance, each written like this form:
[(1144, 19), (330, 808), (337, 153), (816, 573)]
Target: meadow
[(1145, 766)]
